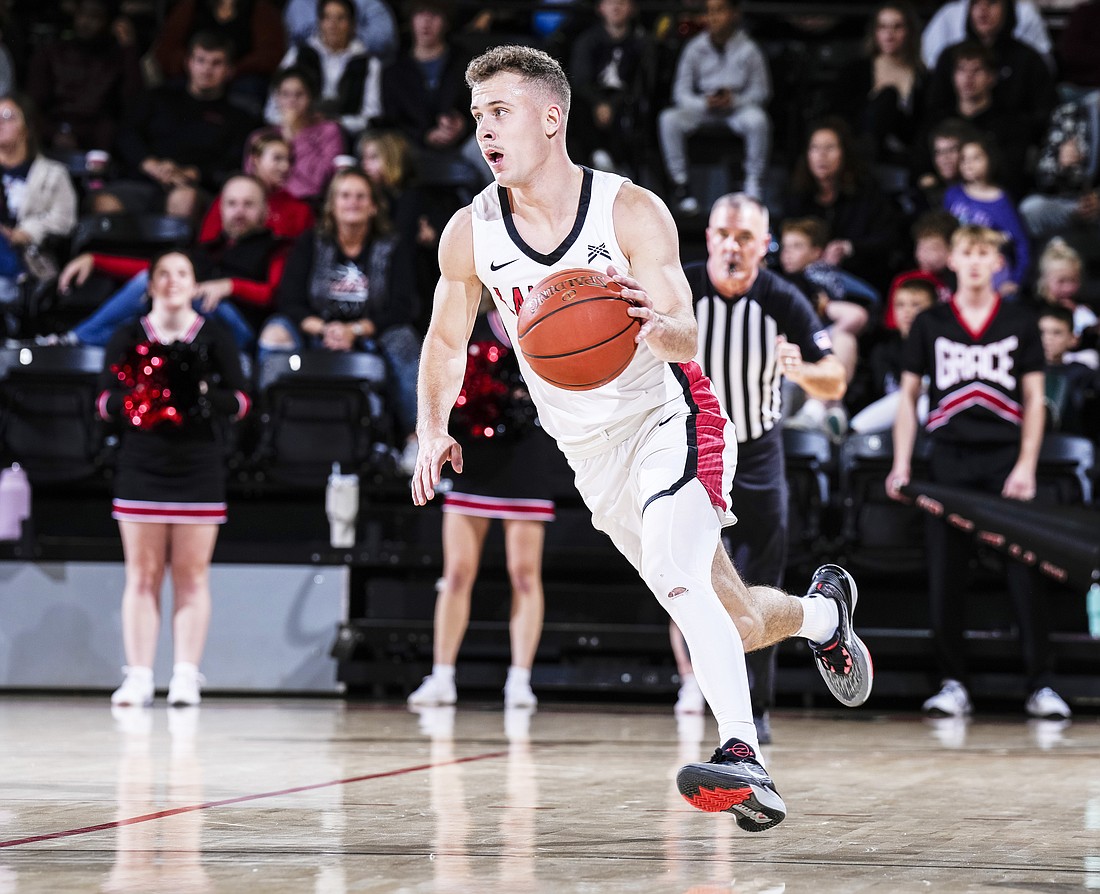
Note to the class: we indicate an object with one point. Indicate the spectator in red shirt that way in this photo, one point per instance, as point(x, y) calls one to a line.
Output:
point(243, 263)
point(269, 161)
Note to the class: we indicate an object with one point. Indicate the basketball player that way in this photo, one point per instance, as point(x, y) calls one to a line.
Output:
point(986, 416)
point(750, 323)
point(652, 452)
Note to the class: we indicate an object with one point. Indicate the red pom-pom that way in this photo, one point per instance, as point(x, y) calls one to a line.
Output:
point(147, 370)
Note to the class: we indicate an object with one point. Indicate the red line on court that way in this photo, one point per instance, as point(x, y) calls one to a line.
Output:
point(161, 814)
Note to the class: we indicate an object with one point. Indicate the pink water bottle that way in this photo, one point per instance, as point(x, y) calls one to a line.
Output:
point(15, 502)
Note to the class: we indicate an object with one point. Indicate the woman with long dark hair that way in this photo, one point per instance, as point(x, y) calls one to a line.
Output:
point(830, 183)
point(881, 94)
point(315, 141)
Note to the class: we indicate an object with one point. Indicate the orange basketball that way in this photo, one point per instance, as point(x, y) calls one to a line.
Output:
point(574, 330)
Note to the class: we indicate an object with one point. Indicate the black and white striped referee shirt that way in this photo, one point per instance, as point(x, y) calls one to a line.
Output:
point(737, 342)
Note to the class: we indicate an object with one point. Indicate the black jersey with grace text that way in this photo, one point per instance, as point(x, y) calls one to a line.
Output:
point(976, 377)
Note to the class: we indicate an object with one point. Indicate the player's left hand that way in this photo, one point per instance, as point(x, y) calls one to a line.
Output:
point(643, 305)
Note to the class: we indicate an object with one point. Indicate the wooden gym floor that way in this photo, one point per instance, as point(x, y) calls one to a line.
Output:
point(328, 796)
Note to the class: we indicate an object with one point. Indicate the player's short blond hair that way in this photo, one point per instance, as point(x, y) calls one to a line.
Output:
point(534, 65)
point(973, 234)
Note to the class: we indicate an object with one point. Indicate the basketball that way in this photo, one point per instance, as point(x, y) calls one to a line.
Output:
point(574, 329)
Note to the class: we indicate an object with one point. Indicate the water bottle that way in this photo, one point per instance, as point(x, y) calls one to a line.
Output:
point(342, 507)
point(1092, 606)
point(15, 502)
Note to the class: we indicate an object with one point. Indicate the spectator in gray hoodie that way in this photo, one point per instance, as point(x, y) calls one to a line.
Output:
point(721, 79)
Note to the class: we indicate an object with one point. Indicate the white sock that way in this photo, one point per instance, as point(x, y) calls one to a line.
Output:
point(185, 667)
point(820, 617)
point(139, 671)
point(688, 679)
point(443, 670)
point(518, 676)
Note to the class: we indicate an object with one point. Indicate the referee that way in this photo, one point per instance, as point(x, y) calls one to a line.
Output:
point(754, 329)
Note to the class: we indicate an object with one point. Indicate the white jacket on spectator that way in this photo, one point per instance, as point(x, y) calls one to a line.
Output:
point(948, 27)
point(49, 203)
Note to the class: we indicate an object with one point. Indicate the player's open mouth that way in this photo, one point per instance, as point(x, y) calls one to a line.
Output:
point(493, 157)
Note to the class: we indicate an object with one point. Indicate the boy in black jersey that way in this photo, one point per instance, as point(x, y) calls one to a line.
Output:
point(986, 418)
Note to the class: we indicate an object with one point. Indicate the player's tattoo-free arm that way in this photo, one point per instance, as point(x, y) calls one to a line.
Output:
point(647, 235)
point(454, 308)
point(443, 356)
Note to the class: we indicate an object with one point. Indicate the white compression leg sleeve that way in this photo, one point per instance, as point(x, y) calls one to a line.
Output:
point(680, 534)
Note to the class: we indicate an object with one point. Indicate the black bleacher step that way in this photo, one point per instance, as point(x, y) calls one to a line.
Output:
point(491, 637)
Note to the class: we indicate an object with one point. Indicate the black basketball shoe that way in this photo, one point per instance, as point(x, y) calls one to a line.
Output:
point(734, 781)
point(843, 661)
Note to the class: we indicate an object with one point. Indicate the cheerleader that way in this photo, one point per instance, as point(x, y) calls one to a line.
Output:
point(171, 378)
point(495, 424)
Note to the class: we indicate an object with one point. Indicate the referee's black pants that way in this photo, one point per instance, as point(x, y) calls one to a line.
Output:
point(757, 544)
point(980, 467)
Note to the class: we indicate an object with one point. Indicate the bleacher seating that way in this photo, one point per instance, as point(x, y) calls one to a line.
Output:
point(877, 532)
point(1064, 470)
point(132, 235)
point(809, 456)
point(317, 408)
point(48, 418)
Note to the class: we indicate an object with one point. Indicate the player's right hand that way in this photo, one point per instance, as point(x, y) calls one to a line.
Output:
point(432, 454)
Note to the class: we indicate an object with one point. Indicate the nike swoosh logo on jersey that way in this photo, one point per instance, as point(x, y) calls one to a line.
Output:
point(495, 267)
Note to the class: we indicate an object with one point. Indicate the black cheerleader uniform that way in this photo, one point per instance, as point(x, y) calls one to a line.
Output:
point(171, 462)
point(503, 447)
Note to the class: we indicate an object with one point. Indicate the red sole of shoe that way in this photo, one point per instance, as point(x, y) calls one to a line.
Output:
point(716, 800)
point(703, 792)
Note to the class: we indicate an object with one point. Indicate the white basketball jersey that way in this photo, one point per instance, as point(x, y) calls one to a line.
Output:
point(509, 268)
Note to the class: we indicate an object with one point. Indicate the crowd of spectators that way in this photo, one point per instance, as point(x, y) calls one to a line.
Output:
point(241, 117)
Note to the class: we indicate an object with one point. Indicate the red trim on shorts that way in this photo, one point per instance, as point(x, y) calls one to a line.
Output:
point(710, 435)
point(499, 507)
point(169, 513)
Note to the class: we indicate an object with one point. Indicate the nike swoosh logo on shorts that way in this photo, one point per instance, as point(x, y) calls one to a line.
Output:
point(495, 267)
point(663, 421)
